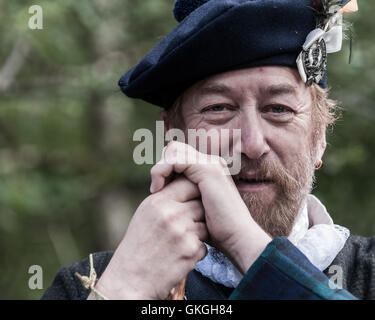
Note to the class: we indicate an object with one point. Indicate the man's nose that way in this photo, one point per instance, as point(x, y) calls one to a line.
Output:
point(253, 139)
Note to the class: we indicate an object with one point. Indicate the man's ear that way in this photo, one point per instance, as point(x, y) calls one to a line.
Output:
point(321, 146)
point(164, 117)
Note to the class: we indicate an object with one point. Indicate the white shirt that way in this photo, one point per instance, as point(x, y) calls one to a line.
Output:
point(313, 233)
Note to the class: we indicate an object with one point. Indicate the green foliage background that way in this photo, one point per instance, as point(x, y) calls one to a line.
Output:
point(68, 183)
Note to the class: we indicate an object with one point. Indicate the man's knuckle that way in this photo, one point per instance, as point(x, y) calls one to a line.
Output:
point(202, 252)
point(195, 247)
point(191, 249)
point(166, 216)
point(155, 201)
point(177, 232)
point(172, 148)
point(220, 161)
point(153, 170)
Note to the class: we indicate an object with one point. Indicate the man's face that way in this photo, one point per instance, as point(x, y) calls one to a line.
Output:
point(274, 111)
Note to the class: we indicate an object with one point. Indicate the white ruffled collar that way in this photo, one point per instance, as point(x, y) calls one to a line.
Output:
point(313, 233)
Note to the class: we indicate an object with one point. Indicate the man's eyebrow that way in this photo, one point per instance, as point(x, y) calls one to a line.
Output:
point(273, 90)
point(280, 89)
point(215, 88)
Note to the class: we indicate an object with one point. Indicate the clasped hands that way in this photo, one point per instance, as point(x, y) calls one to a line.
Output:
point(165, 238)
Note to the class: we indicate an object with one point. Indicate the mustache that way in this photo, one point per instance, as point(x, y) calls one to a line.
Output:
point(270, 170)
point(291, 182)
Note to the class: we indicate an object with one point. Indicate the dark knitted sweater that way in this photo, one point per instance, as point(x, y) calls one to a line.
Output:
point(357, 260)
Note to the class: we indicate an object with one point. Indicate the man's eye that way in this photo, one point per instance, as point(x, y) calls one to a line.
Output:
point(216, 108)
point(278, 113)
point(278, 109)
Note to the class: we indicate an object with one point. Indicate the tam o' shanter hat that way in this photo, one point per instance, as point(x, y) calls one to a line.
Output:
point(215, 36)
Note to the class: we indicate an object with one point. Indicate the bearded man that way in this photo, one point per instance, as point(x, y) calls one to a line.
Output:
point(257, 66)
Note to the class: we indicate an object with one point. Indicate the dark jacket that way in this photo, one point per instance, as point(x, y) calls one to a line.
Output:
point(281, 272)
point(357, 260)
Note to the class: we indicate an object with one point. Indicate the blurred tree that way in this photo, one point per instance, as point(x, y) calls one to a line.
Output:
point(69, 184)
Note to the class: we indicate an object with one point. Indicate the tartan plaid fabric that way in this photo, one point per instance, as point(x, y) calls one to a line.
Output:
point(282, 272)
